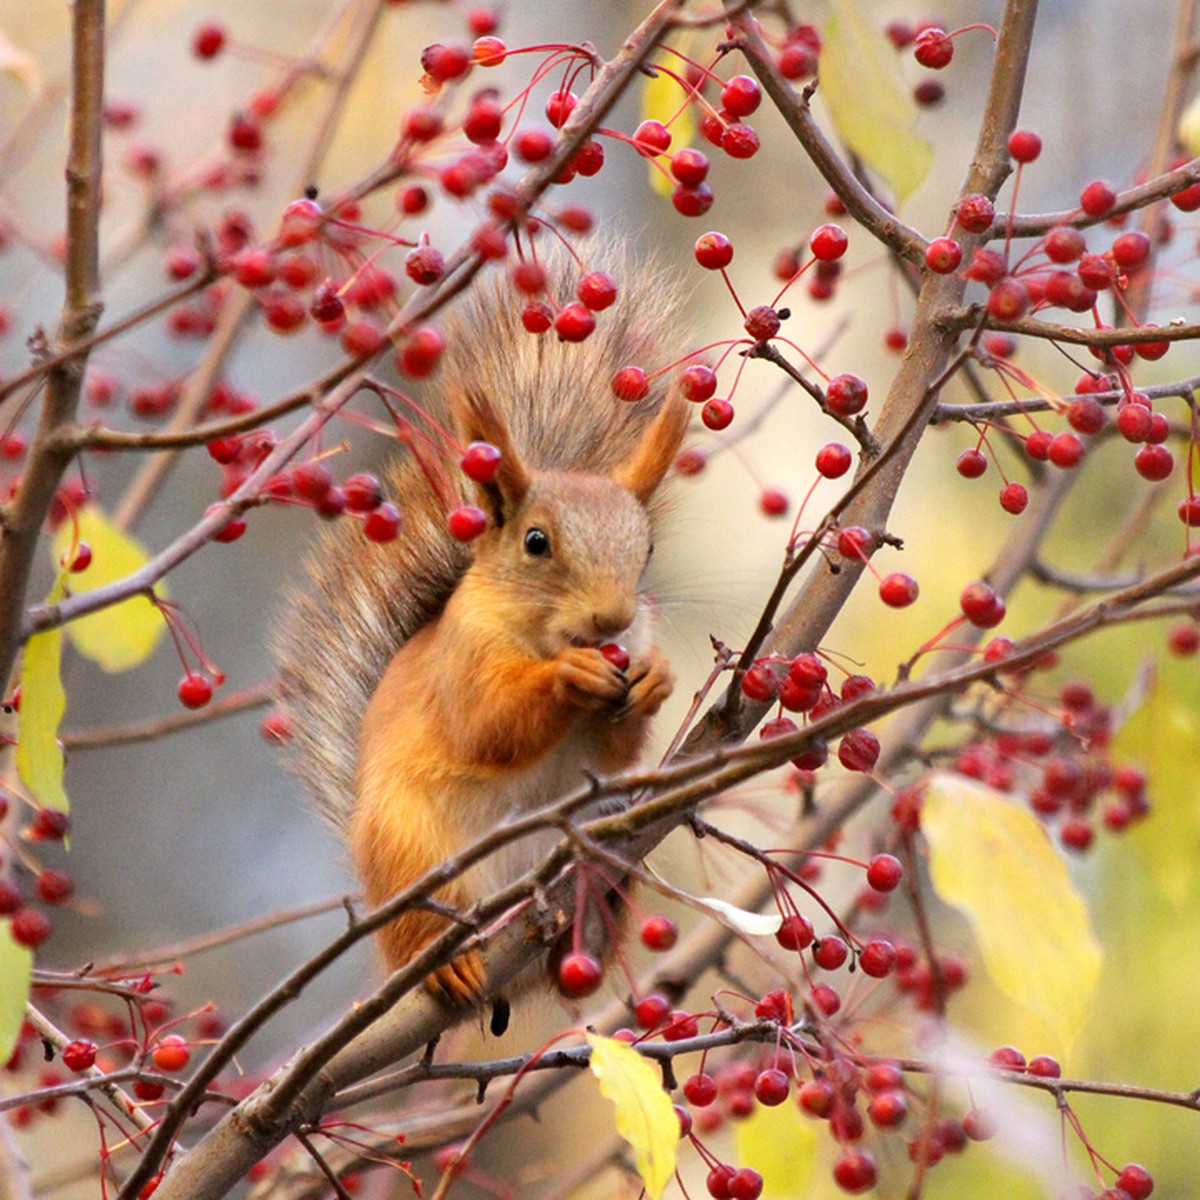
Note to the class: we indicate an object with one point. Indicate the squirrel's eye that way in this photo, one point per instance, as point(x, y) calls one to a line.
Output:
point(537, 542)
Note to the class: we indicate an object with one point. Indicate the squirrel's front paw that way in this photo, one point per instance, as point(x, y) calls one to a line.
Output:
point(650, 684)
point(586, 679)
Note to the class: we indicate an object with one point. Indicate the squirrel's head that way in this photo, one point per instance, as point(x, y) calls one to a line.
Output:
point(568, 549)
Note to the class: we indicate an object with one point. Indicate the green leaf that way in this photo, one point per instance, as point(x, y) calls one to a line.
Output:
point(16, 972)
point(780, 1145)
point(645, 1115)
point(869, 102)
point(123, 635)
point(1162, 736)
point(993, 861)
point(43, 702)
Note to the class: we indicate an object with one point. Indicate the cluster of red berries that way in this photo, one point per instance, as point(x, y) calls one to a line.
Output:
point(108, 1040)
point(51, 886)
point(1065, 769)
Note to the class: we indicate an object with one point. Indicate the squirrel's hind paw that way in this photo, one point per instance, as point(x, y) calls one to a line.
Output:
point(461, 981)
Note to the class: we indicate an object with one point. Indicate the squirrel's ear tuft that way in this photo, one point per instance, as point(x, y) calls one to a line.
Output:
point(476, 420)
point(654, 454)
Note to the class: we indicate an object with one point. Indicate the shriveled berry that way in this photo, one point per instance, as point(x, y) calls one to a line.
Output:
point(762, 323)
point(975, 213)
point(79, 1055)
point(740, 141)
point(858, 750)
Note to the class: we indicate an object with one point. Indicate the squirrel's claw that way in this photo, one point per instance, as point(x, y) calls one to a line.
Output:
point(586, 679)
point(460, 981)
point(650, 683)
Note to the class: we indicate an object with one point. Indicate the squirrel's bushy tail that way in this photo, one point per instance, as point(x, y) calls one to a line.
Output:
point(358, 601)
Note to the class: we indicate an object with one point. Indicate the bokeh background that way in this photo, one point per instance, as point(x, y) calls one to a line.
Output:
point(187, 834)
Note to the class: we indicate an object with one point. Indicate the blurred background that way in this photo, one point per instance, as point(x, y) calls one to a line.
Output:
point(181, 836)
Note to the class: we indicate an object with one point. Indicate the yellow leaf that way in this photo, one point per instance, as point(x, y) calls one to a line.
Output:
point(15, 62)
point(16, 971)
point(869, 102)
point(1162, 737)
point(1188, 130)
point(43, 702)
point(645, 1115)
point(123, 635)
point(663, 100)
point(993, 861)
point(779, 1144)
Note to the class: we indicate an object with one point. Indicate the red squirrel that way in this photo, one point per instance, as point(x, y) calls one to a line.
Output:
point(437, 690)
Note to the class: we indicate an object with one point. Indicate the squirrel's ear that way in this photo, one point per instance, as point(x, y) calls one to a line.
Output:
point(477, 420)
point(655, 453)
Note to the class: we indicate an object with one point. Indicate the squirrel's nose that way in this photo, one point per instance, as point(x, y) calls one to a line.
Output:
point(613, 619)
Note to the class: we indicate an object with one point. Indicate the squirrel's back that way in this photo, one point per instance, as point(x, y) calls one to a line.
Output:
point(361, 601)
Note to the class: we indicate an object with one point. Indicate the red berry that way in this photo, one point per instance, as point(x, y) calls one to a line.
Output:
point(717, 414)
point(1066, 450)
point(718, 1182)
point(830, 952)
point(54, 886)
point(796, 933)
point(596, 291)
point(979, 1124)
point(898, 590)
point(559, 106)
point(574, 322)
point(887, 1110)
point(467, 523)
point(1008, 1058)
point(771, 1087)
point(382, 525)
point(846, 395)
point(420, 353)
point(773, 502)
point(1154, 462)
point(424, 265)
point(858, 750)
point(1097, 198)
point(692, 200)
point(713, 251)
point(659, 933)
point(700, 1090)
point(828, 243)
point(1131, 250)
point(29, 928)
point(975, 213)
point(631, 384)
point(480, 462)
point(1008, 300)
point(1024, 145)
point(363, 492)
point(579, 975)
point(971, 464)
point(652, 138)
point(834, 460)
point(651, 1011)
point(741, 96)
point(943, 255)
point(740, 141)
point(884, 872)
point(195, 690)
point(48, 825)
point(1136, 1180)
point(877, 958)
point(746, 1184)
point(208, 40)
point(617, 655)
point(689, 167)
point(698, 383)
point(762, 323)
point(537, 316)
point(79, 1056)
point(1045, 1067)
point(171, 1053)
point(11, 898)
point(855, 1171)
point(444, 63)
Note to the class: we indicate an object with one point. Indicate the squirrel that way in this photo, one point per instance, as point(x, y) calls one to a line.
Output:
point(437, 689)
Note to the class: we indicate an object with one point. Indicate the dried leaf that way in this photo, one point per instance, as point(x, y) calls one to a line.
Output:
point(39, 756)
point(869, 102)
point(16, 972)
point(645, 1115)
point(123, 635)
point(993, 861)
